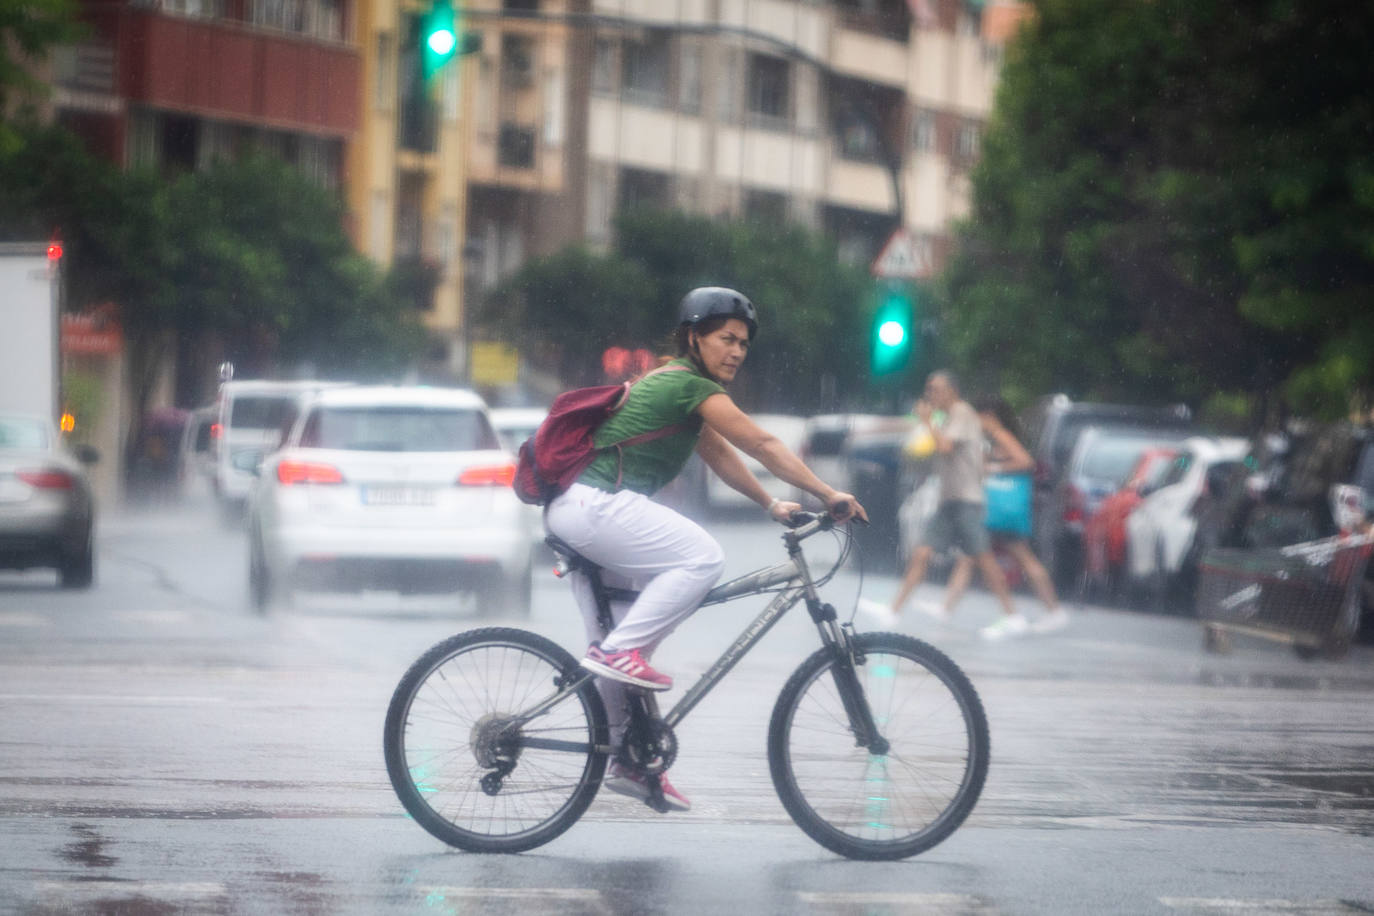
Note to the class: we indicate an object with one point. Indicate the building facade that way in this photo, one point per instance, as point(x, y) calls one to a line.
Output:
point(853, 117)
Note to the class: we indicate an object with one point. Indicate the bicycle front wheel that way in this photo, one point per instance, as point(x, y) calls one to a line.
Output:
point(889, 805)
point(465, 766)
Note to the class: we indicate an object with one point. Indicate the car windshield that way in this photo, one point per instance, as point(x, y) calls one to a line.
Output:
point(1113, 458)
point(259, 412)
point(20, 432)
point(398, 429)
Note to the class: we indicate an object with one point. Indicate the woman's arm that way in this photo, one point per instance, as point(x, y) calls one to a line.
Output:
point(734, 427)
point(725, 461)
point(1014, 457)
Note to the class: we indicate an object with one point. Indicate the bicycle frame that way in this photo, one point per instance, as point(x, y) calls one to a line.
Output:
point(795, 576)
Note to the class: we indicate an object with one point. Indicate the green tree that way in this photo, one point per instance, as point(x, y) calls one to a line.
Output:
point(812, 308)
point(28, 31)
point(1173, 200)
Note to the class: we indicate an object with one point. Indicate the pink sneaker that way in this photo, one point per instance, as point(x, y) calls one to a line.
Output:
point(625, 666)
point(636, 785)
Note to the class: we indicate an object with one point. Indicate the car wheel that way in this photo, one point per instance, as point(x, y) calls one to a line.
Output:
point(259, 578)
point(523, 591)
point(78, 570)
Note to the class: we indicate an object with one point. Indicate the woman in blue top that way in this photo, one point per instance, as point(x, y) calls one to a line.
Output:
point(609, 518)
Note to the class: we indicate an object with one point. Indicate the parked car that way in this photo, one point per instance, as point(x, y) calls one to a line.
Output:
point(196, 463)
point(399, 488)
point(47, 513)
point(1104, 532)
point(516, 424)
point(1160, 559)
point(823, 447)
point(721, 497)
point(253, 418)
point(1101, 457)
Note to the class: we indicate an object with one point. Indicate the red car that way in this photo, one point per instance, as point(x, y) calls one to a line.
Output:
point(1104, 534)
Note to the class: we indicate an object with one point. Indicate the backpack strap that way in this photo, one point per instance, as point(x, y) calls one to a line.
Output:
point(649, 436)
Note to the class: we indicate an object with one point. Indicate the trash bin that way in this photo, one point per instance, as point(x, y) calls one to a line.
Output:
point(1307, 594)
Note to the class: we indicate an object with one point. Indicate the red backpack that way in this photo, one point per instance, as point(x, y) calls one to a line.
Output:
point(562, 447)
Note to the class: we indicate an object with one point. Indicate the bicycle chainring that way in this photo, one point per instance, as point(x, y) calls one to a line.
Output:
point(650, 747)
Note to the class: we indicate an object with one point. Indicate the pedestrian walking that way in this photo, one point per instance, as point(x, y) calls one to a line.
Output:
point(1009, 463)
point(962, 509)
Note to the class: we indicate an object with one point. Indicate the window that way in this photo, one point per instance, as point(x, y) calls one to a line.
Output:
point(968, 141)
point(689, 78)
point(641, 188)
point(517, 62)
point(923, 131)
point(397, 429)
point(728, 87)
point(765, 206)
point(515, 147)
point(603, 67)
point(769, 79)
point(646, 70)
point(857, 138)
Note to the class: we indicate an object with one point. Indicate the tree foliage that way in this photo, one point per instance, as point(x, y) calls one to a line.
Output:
point(28, 30)
point(812, 309)
point(1176, 198)
point(251, 255)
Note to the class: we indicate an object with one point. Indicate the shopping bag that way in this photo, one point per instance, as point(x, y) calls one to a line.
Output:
point(1009, 504)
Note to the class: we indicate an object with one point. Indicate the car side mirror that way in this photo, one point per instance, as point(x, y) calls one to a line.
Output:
point(86, 454)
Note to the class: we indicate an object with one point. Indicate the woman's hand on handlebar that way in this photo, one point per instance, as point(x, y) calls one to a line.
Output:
point(781, 510)
point(843, 507)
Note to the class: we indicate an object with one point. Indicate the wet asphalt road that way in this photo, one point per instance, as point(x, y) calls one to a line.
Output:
point(164, 750)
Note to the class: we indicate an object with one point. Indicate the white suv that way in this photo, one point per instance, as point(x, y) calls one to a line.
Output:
point(397, 488)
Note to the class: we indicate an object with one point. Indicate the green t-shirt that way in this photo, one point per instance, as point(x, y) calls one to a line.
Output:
point(659, 400)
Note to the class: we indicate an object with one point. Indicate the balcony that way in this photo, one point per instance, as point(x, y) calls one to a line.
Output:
point(225, 69)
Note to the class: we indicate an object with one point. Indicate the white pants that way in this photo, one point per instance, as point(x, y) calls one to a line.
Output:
point(641, 545)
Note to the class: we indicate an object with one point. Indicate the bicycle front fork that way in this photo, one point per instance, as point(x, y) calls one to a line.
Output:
point(845, 671)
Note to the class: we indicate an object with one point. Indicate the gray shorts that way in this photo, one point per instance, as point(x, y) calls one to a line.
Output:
point(958, 524)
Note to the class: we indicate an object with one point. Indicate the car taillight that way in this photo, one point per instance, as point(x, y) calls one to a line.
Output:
point(1073, 504)
point(216, 430)
point(47, 479)
point(294, 472)
point(496, 475)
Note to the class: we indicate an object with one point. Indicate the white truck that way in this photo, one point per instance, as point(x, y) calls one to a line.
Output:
point(30, 303)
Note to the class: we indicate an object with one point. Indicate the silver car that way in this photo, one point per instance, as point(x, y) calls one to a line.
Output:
point(46, 511)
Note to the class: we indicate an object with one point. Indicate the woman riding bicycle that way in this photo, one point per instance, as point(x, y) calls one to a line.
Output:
point(608, 517)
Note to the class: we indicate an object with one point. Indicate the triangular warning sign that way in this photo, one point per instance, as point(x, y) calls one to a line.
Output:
point(902, 258)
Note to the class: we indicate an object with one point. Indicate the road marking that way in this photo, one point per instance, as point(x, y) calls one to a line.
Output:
point(113, 890)
point(164, 617)
point(1220, 906)
point(114, 698)
point(22, 619)
point(570, 900)
point(878, 902)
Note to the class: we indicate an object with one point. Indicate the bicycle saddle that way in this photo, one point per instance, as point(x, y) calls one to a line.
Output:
point(569, 554)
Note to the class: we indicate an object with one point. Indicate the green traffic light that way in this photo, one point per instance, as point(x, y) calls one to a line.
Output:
point(439, 31)
point(891, 342)
point(891, 333)
point(442, 42)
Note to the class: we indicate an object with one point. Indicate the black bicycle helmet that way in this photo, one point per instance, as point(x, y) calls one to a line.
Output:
point(717, 302)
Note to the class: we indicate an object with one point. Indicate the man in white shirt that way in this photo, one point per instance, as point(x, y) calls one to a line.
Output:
point(959, 519)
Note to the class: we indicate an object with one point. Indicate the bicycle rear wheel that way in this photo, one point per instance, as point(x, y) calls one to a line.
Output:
point(462, 765)
point(880, 806)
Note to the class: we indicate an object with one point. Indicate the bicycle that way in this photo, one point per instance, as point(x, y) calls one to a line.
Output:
point(496, 739)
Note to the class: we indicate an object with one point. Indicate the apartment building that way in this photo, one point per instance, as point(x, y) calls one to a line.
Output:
point(854, 117)
point(331, 86)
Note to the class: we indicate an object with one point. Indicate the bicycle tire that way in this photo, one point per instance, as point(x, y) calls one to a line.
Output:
point(853, 802)
point(446, 713)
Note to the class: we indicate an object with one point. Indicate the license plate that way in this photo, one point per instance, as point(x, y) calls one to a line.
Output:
point(398, 496)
